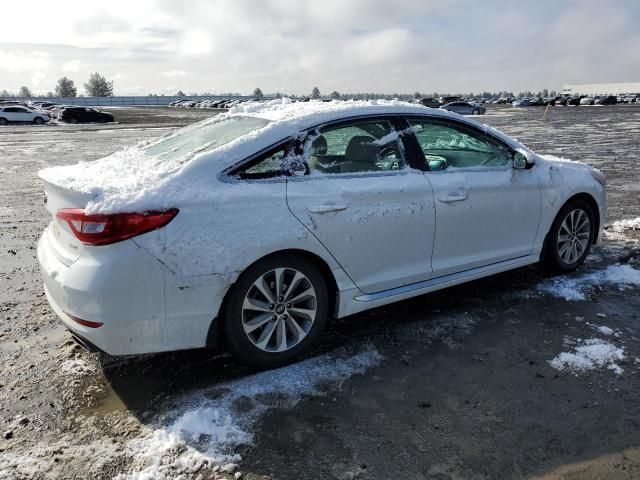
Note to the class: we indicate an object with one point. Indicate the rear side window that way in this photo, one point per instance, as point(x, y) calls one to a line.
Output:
point(448, 145)
point(361, 146)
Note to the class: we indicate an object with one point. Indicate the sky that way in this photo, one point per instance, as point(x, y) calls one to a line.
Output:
point(290, 46)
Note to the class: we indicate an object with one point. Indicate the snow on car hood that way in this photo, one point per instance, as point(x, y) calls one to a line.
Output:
point(133, 180)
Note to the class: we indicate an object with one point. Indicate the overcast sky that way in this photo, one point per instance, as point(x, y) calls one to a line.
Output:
point(161, 46)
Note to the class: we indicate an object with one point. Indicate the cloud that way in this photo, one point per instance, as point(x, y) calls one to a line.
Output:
point(177, 73)
point(71, 66)
point(355, 45)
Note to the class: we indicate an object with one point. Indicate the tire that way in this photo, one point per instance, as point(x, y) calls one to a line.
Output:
point(73, 120)
point(262, 345)
point(475, 112)
point(38, 121)
point(559, 254)
point(3, 121)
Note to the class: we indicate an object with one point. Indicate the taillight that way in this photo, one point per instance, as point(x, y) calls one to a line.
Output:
point(112, 228)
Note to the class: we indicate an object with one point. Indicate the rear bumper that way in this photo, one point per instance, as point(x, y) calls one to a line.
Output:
point(143, 308)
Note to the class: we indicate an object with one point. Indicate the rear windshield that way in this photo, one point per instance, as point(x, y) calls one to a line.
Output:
point(200, 137)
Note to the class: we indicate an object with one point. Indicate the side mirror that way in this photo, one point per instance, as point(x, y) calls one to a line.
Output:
point(522, 160)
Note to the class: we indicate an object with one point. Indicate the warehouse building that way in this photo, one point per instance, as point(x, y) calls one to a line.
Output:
point(602, 89)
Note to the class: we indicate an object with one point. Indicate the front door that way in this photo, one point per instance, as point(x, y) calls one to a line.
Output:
point(486, 211)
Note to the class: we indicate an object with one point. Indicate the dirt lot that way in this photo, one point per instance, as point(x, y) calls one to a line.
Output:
point(452, 385)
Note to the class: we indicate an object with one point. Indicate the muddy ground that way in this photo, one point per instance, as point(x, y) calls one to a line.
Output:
point(461, 387)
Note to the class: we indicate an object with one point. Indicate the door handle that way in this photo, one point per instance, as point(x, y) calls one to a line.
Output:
point(453, 197)
point(328, 207)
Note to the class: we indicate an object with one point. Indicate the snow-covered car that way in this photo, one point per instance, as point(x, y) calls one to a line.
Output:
point(18, 114)
point(260, 224)
point(464, 108)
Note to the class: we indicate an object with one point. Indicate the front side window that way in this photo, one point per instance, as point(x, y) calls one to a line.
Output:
point(451, 146)
point(361, 146)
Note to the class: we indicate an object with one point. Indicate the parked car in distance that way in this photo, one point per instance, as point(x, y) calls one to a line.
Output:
point(522, 102)
point(430, 102)
point(606, 100)
point(450, 99)
point(575, 100)
point(170, 261)
point(77, 114)
point(587, 101)
point(464, 108)
point(19, 114)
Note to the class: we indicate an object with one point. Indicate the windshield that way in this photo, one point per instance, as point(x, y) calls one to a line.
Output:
point(204, 137)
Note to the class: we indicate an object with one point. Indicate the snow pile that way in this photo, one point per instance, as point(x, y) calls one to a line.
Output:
point(211, 423)
point(76, 367)
point(621, 226)
point(576, 288)
point(590, 354)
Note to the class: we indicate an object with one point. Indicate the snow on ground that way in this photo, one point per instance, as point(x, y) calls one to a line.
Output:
point(76, 366)
point(590, 354)
point(620, 226)
point(209, 424)
point(577, 288)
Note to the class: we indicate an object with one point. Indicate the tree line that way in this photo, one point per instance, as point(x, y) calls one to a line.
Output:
point(96, 86)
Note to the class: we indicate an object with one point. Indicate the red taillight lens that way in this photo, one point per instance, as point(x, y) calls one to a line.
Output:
point(112, 228)
point(85, 323)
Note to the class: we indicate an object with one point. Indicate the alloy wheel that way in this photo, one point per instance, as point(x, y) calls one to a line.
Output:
point(573, 236)
point(279, 310)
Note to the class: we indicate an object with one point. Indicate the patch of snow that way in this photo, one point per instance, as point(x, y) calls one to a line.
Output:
point(77, 367)
point(621, 226)
point(603, 329)
point(208, 425)
point(576, 288)
point(590, 354)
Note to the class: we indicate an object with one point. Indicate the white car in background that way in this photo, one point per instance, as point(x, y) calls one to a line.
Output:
point(259, 225)
point(18, 114)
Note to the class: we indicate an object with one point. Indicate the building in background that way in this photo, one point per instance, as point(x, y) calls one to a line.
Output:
point(602, 89)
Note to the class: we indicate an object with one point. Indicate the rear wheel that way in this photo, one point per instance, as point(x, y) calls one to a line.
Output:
point(276, 310)
point(570, 237)
point(73, 120)
point(38, 121)
point(3, 121)
point(475, 112)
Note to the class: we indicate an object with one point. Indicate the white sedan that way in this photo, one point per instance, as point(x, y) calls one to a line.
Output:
point(17, 114)
point(258, 225)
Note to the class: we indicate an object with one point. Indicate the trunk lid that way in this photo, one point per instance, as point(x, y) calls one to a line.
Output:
point(64, 243)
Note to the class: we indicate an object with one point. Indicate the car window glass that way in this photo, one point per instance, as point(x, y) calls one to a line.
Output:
point(272, 164)
point(451, 146)
point(368, 146)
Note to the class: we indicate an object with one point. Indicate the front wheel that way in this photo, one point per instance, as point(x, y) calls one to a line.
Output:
point(3, 121)
point(570, 237)
point(475, 112)
point(38, 121)
point(276, 310)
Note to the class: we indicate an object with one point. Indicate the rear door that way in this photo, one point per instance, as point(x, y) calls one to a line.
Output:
point(373, 212)
point(486, 211)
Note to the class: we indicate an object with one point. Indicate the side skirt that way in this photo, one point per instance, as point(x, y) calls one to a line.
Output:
point(363, 302)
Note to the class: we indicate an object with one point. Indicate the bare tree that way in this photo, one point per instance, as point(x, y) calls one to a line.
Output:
point(24, 92)
point(335, 95)
point(258, 93)
point(180, 93)
point(315, 93)
point(97, 86)
point(66, 88)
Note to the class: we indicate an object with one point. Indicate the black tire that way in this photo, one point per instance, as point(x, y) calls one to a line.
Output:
point(3, 121)
point(38, 121)
point(239, 342)
point(73, 120)
point(552, 259)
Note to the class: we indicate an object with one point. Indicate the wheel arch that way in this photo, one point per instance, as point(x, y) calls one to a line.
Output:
point(584, 196)
point(215, 335)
